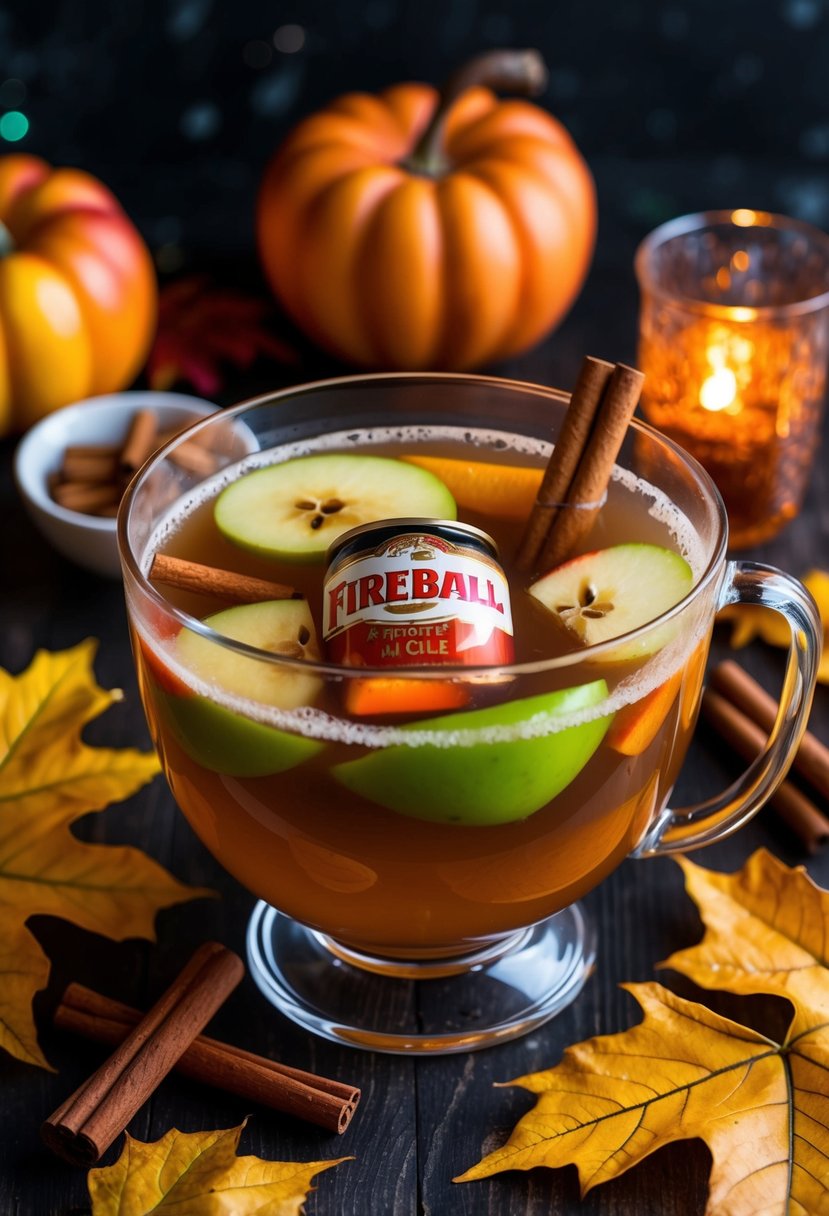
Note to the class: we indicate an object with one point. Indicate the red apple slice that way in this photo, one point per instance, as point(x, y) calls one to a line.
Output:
point(610, 592)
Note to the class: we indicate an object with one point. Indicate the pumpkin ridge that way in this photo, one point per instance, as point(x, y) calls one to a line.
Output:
point(25, 398)
point(110, 364)
point(375, 109)
point(328, 127)
point(526, 247)
point(512, 119)
point(470, 347)
point(280, 222)
point(51, 219)
point(19, 172)
point(42, 201)
point(411, 106)
point(314, 274)
point(381, 291)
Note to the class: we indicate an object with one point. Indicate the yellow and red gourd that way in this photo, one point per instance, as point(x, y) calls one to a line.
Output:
point(412, 229)
point(77, 291)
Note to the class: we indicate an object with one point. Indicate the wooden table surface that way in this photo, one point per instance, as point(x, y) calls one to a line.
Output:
point(421, 1121)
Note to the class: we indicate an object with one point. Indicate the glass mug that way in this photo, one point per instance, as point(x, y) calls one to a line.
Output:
point(449, 850)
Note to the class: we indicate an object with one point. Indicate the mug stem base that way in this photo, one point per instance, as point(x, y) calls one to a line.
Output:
point(486, 997)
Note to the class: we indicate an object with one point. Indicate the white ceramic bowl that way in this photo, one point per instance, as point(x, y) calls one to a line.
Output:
point(86, 539)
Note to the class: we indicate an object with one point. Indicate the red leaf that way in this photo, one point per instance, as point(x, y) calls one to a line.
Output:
point(201, 328)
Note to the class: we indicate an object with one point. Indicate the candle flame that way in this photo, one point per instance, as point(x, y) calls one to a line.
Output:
point(719, 390)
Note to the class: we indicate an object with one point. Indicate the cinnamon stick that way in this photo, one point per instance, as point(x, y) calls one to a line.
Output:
point(85, 1125)
point(320, 1100)
point(89, 466)
point(561, 469)
point(86, 497)
point(589, 484)
point(209, 580)
point(193, 458)
point(93, 449)
point(811, 758)
point(140, 440)
point(748, 739)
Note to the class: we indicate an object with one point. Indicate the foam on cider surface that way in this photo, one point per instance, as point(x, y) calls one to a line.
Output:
point(320, 725)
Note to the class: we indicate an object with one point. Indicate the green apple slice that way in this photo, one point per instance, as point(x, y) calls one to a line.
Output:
point(221, 739)
point(225, 742)
point(604, 594)
point(294, 510)
point(486, 783)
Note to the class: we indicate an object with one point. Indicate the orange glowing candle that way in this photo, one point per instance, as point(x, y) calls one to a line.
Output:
point(733, 340)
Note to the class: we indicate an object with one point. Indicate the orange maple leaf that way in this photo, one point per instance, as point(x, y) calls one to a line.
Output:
point(48, 779)
point(762, 1107)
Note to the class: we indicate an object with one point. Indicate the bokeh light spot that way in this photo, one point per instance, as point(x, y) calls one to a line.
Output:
point(13, 126)
point(289, 39)
point(200, 121)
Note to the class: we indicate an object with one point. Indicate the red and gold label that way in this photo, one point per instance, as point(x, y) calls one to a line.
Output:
point(417, 600)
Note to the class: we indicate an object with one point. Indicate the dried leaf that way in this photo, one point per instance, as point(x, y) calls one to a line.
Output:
point(201, 327)
point(48, 779)
point(761, 1107)
point(749, 622)
point(686, 1072)
point(199, 1172)
point(766, 930)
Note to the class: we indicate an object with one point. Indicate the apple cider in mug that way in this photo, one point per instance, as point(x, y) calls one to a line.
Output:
point(407, 815)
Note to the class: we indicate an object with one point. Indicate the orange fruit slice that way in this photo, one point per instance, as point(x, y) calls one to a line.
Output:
point(635, 727)
point(379, 695)
point(505, 490)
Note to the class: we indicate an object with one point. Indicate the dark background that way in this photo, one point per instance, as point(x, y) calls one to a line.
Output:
point(677, 106)
point(178, 104)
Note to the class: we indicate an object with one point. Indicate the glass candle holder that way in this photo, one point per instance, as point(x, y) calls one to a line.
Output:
point(733, 341)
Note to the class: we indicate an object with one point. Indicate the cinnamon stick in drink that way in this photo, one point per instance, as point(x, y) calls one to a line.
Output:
point(811, 758)
point(320, 1100)
point(748, 739)
point(589, 485)
point(85, 1125)
point(561, 469)
point(209, 580)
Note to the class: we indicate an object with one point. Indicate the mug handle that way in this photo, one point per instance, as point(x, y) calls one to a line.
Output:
point(695, 826)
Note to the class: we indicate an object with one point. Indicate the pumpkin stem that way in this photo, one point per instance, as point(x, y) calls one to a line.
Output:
point(522, 72)
point(7, 244)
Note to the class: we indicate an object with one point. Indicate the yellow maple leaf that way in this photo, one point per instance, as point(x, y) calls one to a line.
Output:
point(762, 1107)
point(199, 1172)
point(48, 779)
point(749, 621)
point(766, 930)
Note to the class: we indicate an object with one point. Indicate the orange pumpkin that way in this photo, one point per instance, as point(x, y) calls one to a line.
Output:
point(77, 291)
point(407, 231)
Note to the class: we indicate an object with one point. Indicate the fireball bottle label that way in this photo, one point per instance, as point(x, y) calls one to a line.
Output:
point(417, 599)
